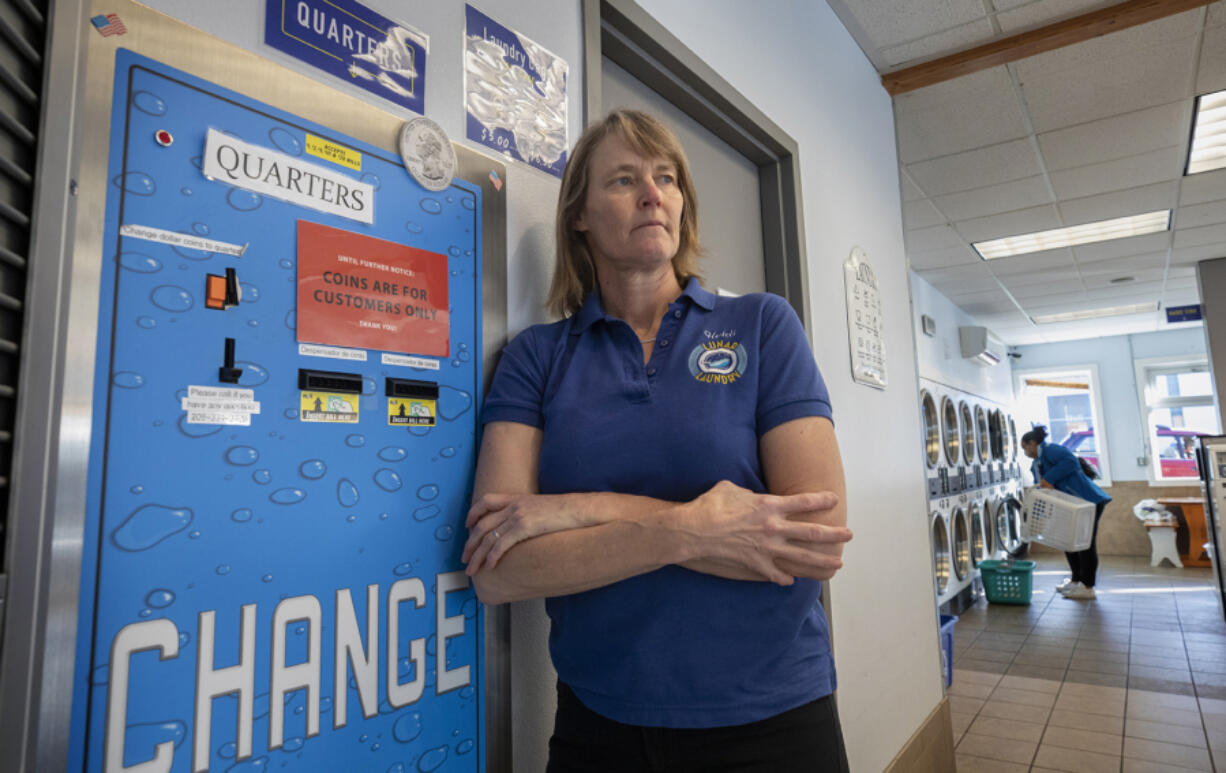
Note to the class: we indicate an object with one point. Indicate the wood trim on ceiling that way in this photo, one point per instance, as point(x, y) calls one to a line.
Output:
point(1036, 41)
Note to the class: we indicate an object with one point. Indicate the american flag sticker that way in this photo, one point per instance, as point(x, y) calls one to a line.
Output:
point(109, 24)
point(495, 180)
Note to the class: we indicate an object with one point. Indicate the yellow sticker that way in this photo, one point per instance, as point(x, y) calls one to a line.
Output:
point(330, 151)
point(410, 411)
point(329, 407)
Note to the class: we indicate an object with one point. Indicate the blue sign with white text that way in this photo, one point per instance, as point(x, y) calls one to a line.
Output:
point(1190, 313)
point(353, 43)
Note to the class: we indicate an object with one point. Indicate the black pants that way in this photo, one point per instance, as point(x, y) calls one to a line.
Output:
point(806, 739)
point(1084, 563)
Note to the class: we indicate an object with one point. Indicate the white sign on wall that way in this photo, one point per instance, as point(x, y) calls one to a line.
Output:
point(865, 326)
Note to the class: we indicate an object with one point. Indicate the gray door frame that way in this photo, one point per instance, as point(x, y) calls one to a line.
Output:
point(625, 33)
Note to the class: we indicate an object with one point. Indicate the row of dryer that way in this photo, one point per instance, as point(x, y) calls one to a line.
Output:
point(974, 473)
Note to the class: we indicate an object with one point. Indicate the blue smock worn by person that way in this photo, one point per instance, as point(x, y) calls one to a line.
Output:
point(1057, 467)
point(641, 459)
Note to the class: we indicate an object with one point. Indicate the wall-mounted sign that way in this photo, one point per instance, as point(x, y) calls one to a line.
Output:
point(515, 94)
point(355, 44)
point(260, 170)
point(865, 326)
point(365, 293)
point(1190, 313)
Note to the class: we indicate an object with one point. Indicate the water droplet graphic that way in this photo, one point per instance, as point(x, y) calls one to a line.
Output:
point(244, 201)
point(465, 746)
point(453, 403)
point(197, 430)
point(413, 228)
point(420, 431)
point(393, 454)
point(383, 516)
point(425, 513)
point(267, 578)
point(160, 598)
point(468, 692)
point(291, 413)
point(285, 263)
point(407, 727)
point(146, 735)
point(223, 569)
point(184, 636)
point(468, 203)
point(201, 229)
point(431, 644)
point(287, 496)
point(148, 102)
point(242, 456)
point(193, 535)
point(257, 765)
point(313, 469)
point(136, 183)
point(351, 518)
point(253, 323)
point(454, 251)
point(387, 480)
point(140, 263)
point(398, 767)
point(355, 441)
point(101, 674)
point(347, 493)
point(145, 613)
point(464, 356)
point(185, 191)
point(325, 705)
point(148, 525)
point(291, 319)
point(432, 206)
point(250, 293)
point(172, 298)
point(372, 179)
point(447, 452)
point(432, 760)
point(285, 141)
point(241, 515)
point(374, 747)
point(468, 253)
point(427, 492)
point(198, 162)
point(137, 489)
point(128, 380)
point(147, 323)
point(403, 570)
point(227, 750)
point(292, 744)
point(469, 609)
point(444, 533)
point(262, 476)
point(253, 374)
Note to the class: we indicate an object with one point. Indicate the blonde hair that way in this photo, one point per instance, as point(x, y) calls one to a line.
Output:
point(574, 273)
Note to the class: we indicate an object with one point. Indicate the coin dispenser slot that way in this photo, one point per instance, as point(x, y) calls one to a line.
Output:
point(222, 292)
point(329, 381)
point(409, 388)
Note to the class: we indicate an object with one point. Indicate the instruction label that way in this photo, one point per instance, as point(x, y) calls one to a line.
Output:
point(328, 407)
point(410, 361)
point(330, 151)
point(219, 405)
point(410, 411)
point(332, 352)
point(176, 239)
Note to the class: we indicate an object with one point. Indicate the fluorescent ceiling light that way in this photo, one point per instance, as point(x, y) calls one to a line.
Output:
point(1114, 311)
point(1103, 230)
point(1208, 150)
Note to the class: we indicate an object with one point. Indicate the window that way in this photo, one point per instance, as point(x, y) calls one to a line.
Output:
point(1068, 403)
point(1178, 406)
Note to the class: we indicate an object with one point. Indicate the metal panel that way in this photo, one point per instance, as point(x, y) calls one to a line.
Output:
point(50, 476)
point(1211, 275)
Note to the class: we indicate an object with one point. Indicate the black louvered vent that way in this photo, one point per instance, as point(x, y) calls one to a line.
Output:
point(22, 45)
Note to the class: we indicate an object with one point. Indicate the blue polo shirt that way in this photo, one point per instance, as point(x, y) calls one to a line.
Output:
point(673, 647)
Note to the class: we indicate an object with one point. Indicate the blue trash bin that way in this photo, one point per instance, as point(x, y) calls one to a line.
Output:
point(947, 647)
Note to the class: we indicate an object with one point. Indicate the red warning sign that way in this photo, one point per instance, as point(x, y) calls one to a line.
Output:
point(367, 293)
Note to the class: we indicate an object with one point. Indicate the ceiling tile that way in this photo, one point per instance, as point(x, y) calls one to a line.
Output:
point(1190, 256)
point(1202, 187)
point(962, 114)
point(1053, 279)
point(1145, 169)
point(1217, 15)
point(1021, 221)
point(954, 39)
point(994, 199)
point(1031, 262)
point(1119, 248)
point(1120, 266)
point(891, 22)
point(1120, 203)
point(1133, 292)
point(1042, 13)
point(972, 275)
point(1181, 283)
point(1201, 214)
point(1118, 136)
point(976, 168)
point(1099, 281)
point(1130, 80)
point(909, 191)
point(1166, 34)
point(1212, 73)
point(940, 237)
point(920, 214)
point(1177, 272)
point(944, 258)
point(1196, 237)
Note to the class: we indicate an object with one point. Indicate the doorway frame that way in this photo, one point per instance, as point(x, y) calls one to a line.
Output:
point(633, 40)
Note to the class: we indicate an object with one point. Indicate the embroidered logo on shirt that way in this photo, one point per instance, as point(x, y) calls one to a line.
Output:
point(718, 361)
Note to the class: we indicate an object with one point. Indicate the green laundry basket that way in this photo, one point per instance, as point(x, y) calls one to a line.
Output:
point(1007, 582)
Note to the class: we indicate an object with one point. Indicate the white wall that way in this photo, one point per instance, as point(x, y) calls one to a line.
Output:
point(798, 65)
point(1114, 356)
point(815, 83)
point(939, 357)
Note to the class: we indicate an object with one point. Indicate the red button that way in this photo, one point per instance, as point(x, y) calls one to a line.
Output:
point(163, 138)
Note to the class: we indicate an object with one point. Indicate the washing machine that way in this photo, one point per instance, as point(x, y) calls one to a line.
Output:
point(966, 470)
point(930, 424)
point(1007, 521)
point(944, 585)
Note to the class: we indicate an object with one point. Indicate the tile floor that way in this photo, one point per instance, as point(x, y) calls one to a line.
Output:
point(1133, 682)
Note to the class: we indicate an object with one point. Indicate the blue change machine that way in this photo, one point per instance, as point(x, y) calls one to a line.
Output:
point(291, 349)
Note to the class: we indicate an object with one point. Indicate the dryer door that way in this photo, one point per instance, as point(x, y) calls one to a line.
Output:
point(961, 544)
point(940, 552)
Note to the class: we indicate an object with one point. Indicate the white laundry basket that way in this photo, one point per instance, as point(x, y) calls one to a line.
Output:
point(1063, 521)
